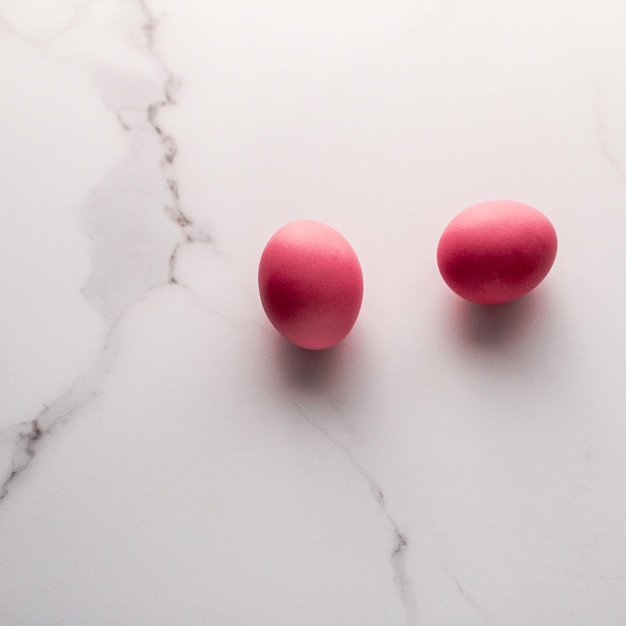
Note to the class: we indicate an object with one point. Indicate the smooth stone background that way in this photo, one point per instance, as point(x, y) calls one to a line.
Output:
point(165, 457)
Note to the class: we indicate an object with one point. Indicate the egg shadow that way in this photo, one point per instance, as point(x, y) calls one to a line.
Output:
point(333, 374)
point(499, 327)
point(307, 370)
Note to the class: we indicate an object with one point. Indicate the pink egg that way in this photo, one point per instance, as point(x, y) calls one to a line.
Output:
point(496, 251)
point(311, 284)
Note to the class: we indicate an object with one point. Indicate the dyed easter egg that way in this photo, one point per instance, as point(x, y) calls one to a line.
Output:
point(496, 251)
point(311, 284)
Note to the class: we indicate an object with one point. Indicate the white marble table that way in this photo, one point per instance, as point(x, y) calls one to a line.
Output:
point(165, 458)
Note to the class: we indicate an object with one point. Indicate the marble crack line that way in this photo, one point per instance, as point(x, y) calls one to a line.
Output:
point(470, 600)
point(402, 580)
point(171, 83)
point(28, 435)
point(79, 10)
point(85, 388)
point(7, 27)
point(457, 583)
point(601, 133)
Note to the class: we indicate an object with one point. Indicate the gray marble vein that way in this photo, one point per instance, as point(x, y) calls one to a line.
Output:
point(401, 578)
point(602, 133)
point(121, 214)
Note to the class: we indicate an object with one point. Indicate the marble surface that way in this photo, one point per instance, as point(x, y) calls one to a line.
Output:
point(165, 458)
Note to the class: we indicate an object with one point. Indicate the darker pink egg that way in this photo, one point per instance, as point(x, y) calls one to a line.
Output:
point(496, 251)
point(311, 284)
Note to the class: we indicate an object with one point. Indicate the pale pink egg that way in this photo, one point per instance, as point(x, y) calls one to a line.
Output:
point(496, 251)
point(311, 284)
